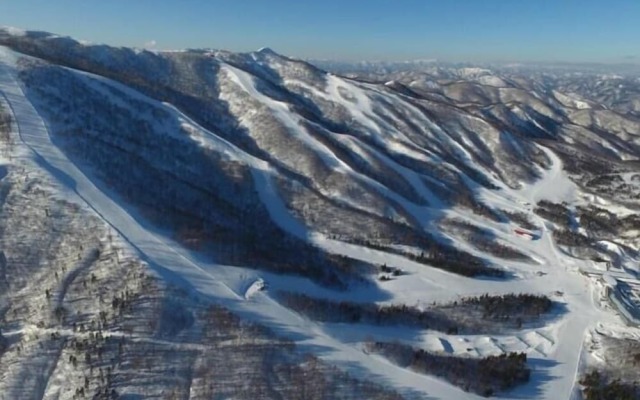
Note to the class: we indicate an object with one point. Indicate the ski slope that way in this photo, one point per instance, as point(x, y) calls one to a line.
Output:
point(554, 350)
point(173, 262)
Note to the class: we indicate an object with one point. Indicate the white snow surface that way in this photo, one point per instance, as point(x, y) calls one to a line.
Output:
point(554, 350)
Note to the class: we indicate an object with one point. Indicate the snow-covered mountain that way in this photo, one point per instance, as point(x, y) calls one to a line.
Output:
point(203, 223)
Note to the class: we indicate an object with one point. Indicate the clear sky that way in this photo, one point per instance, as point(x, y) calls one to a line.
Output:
point(473, 30)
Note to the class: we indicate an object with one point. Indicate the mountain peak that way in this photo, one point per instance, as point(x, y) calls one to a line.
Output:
point(267, 51)
point(13, 31)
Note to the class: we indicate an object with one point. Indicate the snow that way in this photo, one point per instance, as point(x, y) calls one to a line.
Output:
point(255, 287)
point(281, 110)
point(555, 185)
point(359, 106)
point(610, 280)
point(472, 72)
point(267, 51)
point(410, 176)
point(358, 102)
point(277, 209)
point(571, 100)
point(203, 136)
point(491, 80)
point(212, 280)
point(558, 345)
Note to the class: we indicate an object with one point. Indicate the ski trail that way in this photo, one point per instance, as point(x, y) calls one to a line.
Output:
point(34, 134)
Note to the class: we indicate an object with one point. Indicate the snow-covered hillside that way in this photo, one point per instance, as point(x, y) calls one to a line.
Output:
point(199, 224)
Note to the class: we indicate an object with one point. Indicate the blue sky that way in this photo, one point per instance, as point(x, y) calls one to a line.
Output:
point(473, 30)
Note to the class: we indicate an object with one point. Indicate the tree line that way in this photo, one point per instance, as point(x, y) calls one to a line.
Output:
point(485, 376)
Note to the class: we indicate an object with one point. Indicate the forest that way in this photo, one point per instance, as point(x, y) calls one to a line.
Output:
point(485, 376)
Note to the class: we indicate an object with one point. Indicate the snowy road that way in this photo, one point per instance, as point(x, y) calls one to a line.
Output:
point(220, 283)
